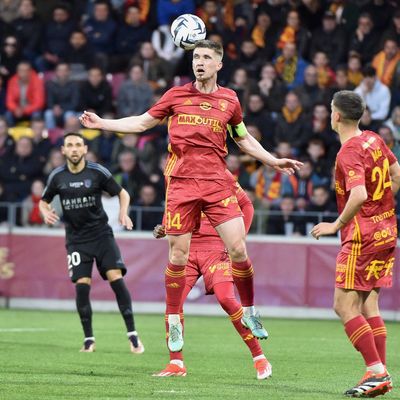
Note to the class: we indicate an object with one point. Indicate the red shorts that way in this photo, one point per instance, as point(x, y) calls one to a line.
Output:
point(365, 272)
point(186, 198)
point(214, 266)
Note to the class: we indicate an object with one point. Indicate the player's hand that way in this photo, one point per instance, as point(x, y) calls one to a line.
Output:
point(159, 231)
point(90, 120)
point(50, 217)
point(287, 166)
point(324, 229)
point(125, 221)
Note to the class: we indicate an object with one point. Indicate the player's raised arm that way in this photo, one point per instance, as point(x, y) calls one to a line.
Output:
point(124, 218)
point(249, 145)
point(134, 124)
point(49, 215)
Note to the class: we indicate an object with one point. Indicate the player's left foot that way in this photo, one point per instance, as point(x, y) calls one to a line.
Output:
point(135, 344)
point(253, 323)
point(171, 370)
point(89, 346)
point(175, 337)
point(371, 385)
point(264, 368)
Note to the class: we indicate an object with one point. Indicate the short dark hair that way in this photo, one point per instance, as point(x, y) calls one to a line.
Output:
point(77, 134)
point(350, 105)
point(369, 71)
point(210, 44)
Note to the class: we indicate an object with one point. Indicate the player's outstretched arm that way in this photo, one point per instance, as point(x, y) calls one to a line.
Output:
point(248, 144)
point(124, 218)
point(134, 124)
point(49, 215)
point(357, 197)
point(394, 171)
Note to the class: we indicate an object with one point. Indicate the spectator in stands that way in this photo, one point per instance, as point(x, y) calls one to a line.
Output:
point(243, 85)
point(365, 40)
point(316, 151)
point(96, 93)
point(19, 169)
point(55, 160)
point(9, 10)
point(301, 184)
point(250, 58)
point(148, 198)
point(264, 36)
point(103, 145)
point(156, 70)
point(387, 62)
point(291, 124)
point(3, 108)
point(55, 38)
point(131, 32)
point(341, 82)
point(41, 142)
point(393, 32)
point(375, 94)
point(386, 134)
point(310, 92)
point(284, 223)
point(30, 206)
point(130, 176)
point(10, 57)
point(290, 66)
point(237, 168)
point(394, 122)
point(294, 33)
point(164, 46)
point(25, 94)
point(157, 178)
point(271, 88)
point(216, 16)
point(321, 203)
point(135, 94)
point(28, 27)
point(330, 39)
point(6, 141)
point(366, 122)
point(380, 12)
point(100, 30)
point(62, 95)
point(354, 66)
point(326, 76)
point(79, 55)
point(311, 13)
point(168, 10)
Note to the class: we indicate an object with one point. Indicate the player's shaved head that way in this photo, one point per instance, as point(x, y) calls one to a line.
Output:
point(210, 44)
point(349, 104)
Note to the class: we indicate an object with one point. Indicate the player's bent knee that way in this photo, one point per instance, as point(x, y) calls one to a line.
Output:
point(85, 280)
point(113, 274)
point(238, 251)
point(178, 257)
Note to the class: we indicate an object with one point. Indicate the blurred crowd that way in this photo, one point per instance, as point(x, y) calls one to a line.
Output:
point(284, 58)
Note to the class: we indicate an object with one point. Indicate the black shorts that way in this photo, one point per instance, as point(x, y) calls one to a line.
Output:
point(81, 256)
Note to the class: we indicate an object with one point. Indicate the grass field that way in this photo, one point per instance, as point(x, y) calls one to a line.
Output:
point(39, 360)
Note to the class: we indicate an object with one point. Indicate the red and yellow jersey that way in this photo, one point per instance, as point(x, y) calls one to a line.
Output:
point(197, 125)
point(206, 237)
point(365, 160)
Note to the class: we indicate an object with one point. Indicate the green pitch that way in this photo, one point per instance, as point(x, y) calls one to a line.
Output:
point(39, 360)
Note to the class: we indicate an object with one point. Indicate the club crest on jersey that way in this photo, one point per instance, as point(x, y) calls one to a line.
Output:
point(87, 183)
point(205, 106)
point(223, 105)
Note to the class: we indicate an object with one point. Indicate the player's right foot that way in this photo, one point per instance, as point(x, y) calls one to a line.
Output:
point(253, 323)
point(135, 344)
point(175, 337)
point(371, 385)
point(264, 368)
point(171, 370)
point(89, 346)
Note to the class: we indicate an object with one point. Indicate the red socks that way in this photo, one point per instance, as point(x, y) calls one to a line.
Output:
point(379, 331)
point(175, 277)
point(360, 334)
point(243, 273)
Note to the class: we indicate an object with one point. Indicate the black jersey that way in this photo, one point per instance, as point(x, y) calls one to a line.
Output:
point(80, 195)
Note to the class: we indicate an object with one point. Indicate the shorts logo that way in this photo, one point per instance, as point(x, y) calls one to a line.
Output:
point(87, 183)
point(223, 105)
point(377, 266)
point(339, 278)
point(221, 266)
point(205, 106)
point(228, 200)
point(174, 285)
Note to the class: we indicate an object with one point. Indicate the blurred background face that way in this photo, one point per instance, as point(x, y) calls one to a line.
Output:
point(320, 113)
point(292, 101)
point(101, 12)
point(77, 40)
point(95, 77)
point(148, 195)
point(369, 82)
point(341, 79)
point(240, 77)
point(24, 147)
point(287, 205)
point(305, 171)
point(62, 72)
point(311, 76)
point(315, 150)
point(284, 150)
point(132, 16)
point(254, 131)
point(396, 115)
point(293, 20)
point(3, 128)
point(37, 188)
point(289, 50)
point(248, 48)
point(23, 71)
point(386, 134)
point(264, 21)
point(268, 72)
point(256, 103)
point(147, 50)
point(136, 73)
point(56, 158)
point(10, 45)
point(390, 49)
point(320, 196)
point(26, 9)
point(210, 7)
point(127, 162)
point(320, 59)
point(60, 15)
point(38, 128)
point(365, 25)
point(328, 24)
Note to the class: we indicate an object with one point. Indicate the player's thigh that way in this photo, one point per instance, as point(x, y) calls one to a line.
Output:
point(182, 206)
point(192, 270)
point(108, 256)
point(215, 266)
point(233, 234)
point(347, 303)
point(80, 258)
point(370, 306)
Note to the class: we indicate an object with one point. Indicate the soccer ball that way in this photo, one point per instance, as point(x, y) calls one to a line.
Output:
point(186, 30)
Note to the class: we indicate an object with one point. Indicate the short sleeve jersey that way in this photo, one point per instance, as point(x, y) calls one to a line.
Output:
point(206, 237)
point(365, 160)
point(80, 195)
point(197, 126)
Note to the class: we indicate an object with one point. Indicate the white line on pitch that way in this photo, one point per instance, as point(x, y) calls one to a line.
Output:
point(23, 330)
